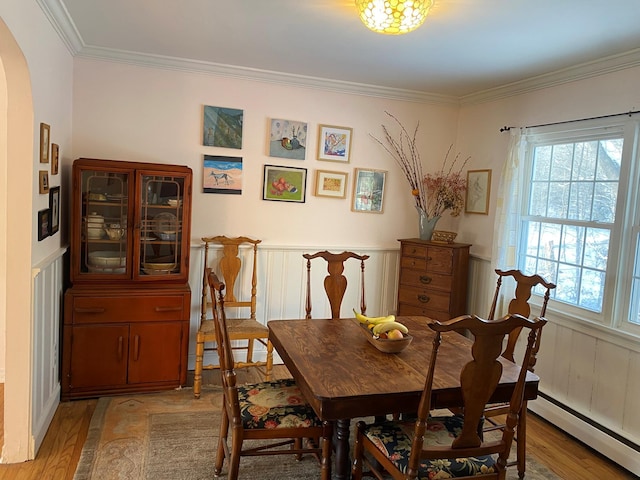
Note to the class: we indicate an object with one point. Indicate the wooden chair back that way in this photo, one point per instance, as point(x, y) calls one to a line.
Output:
point(335, 284)
point(225, 351)
point(229, 268)
point(524, 285)
point(478, 381)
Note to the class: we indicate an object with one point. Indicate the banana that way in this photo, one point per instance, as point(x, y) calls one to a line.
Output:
point(387, 326)
point(373, 320)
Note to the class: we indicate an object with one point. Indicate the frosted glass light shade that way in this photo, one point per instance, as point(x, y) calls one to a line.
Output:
point(393, 17)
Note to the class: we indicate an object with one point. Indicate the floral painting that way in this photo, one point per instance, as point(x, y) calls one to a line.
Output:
point(222, 127)
point(288, 139)
point(222, 175)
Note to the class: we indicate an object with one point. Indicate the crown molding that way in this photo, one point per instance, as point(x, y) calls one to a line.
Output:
point(602, 66)
point(66, 29)
point(253, 74)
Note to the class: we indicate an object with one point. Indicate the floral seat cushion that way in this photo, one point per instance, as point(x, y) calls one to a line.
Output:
point(275, 404)
point(394, 440)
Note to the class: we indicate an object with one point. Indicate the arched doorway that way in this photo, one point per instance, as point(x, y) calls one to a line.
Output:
point(16, 185)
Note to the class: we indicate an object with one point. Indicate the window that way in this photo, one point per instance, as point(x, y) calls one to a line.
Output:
point(579, 218)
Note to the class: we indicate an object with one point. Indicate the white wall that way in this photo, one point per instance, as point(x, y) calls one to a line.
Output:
point(37, 69)
point(135, 113)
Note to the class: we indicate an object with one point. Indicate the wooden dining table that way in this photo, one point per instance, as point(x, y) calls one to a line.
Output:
point(344, 377)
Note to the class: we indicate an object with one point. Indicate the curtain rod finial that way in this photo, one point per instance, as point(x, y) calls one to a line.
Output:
point(505, 129)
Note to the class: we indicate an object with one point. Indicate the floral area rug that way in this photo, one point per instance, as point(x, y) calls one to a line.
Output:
point(171, 435)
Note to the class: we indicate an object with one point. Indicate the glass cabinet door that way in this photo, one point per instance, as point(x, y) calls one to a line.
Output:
point(104, 211)
point(161, 224)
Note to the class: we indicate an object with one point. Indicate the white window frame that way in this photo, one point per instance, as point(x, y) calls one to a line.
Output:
point(625, 229)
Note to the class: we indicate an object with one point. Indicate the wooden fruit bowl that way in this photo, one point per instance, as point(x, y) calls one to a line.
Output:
point(385, 345)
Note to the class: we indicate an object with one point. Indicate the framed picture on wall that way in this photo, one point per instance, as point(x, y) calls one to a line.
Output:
point(55, 152)
point(222, 175)
point(222, 127)
point(478, 191)
point(43, 181)
point(44, 143)
point(43, 224)
point(284, 184)
point(287, 139)
point(334, 143)
point(368, 190)
point(54, 209)
point(331, 184)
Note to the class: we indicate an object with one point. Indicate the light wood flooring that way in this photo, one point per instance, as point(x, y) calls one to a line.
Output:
point(62, 445)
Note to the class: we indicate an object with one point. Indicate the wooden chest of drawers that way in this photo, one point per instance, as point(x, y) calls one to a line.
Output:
point(433, 279)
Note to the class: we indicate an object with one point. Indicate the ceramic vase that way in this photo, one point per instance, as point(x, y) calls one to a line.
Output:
point(426, 224)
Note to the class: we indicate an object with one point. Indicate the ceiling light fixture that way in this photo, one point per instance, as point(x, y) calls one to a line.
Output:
point(393, 17)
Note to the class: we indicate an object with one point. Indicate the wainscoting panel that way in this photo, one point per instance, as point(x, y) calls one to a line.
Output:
point(47, 314)
point(282, 280)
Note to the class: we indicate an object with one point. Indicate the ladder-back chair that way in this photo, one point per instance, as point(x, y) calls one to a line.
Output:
point(335, 284)
point(272, 410)
point(524, 285)
point(451, 446)
point(243, 330)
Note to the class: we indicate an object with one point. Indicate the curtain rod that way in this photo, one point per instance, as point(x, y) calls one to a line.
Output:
point(631, 112)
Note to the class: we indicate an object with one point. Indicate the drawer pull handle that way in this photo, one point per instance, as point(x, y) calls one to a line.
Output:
point(424, 279)
point(429, 259)
point(136, 347)
point(168, 309)
point(423, 298)
point(120, 349)
point(89, 310)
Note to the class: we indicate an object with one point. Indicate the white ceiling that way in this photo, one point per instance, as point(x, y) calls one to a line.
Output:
point(464, 48)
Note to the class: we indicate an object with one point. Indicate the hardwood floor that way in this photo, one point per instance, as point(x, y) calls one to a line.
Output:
point(62, 445)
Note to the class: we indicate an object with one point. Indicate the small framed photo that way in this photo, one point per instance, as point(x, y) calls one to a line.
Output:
point(55, 152)
point(43, 224)
point(43, 181)
point(44, 143)
point(54, 209)
point(331, 184)
point(284, 184)
point(478, 191)
point(287, 139)
point(222, 175)
point(368, 190)
point(334, 143)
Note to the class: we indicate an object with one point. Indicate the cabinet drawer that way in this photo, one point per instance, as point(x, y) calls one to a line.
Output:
point(405, 309)
point(432, 259)
point(119, 309)
point(418, 278)
point(425, 298)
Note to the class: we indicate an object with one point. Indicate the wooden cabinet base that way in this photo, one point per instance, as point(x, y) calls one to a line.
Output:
point(118, 340)
point(433, 279)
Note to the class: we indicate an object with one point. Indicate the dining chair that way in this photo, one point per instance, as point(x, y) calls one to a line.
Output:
point(335, 284)
point(273, 410)
point(451, 446)
point(244, 330)
point(524, 285)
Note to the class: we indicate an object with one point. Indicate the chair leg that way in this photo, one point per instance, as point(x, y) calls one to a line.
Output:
point(222, 441)
point(234, 460)
point(358, 452)
point(197, 377)
point(269, 366)
point(325, 465)
point(250, 350)
point(521, 443)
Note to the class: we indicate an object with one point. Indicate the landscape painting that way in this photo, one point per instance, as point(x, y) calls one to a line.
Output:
point(222, 175)
point(222, 127)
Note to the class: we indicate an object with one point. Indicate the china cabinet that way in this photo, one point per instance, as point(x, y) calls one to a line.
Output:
point(126, 316)
point(433, 279)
